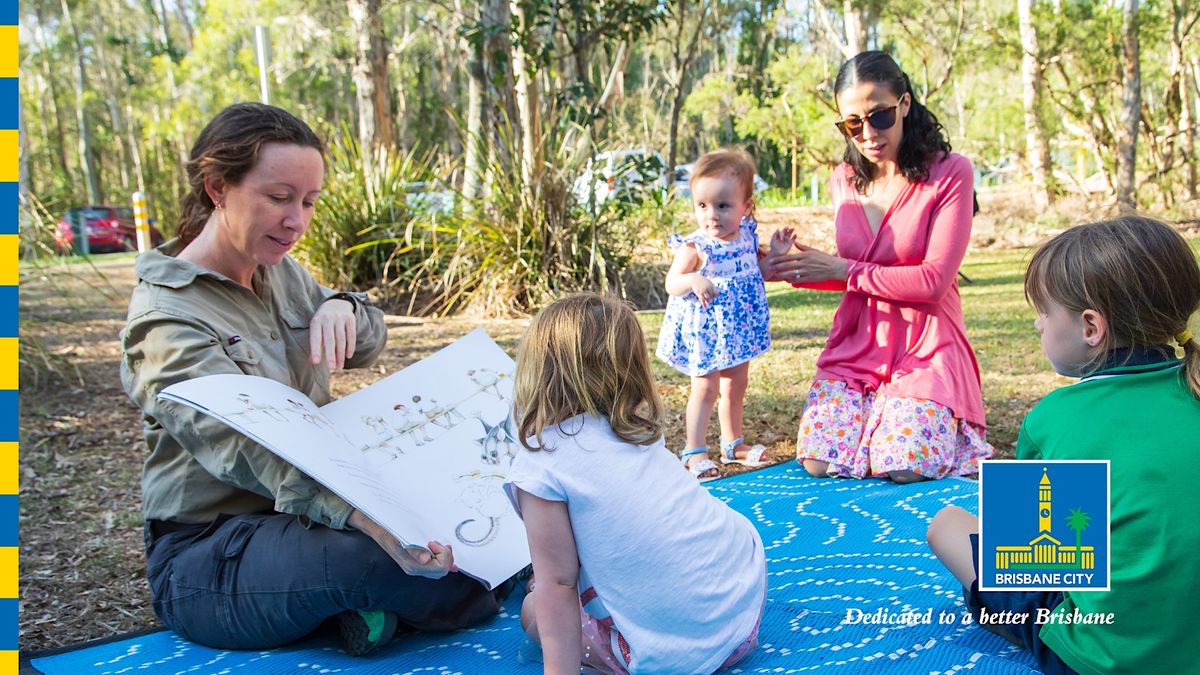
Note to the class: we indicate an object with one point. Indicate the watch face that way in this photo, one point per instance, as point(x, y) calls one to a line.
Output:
point(1045, 513)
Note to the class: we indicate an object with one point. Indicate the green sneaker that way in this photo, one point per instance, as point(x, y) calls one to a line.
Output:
point(363, 632)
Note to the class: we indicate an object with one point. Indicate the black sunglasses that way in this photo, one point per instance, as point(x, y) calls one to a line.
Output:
point(880, 120)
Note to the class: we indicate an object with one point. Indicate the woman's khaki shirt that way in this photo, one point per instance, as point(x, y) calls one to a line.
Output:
point(186, 321)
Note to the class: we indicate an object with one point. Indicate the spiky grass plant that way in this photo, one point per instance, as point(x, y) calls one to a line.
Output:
point(365, 233)
point(530, 238)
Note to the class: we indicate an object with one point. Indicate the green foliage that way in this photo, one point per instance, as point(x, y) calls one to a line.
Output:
point(799, 108)
point(364, 232)
point(713, 102)
point(525, 243)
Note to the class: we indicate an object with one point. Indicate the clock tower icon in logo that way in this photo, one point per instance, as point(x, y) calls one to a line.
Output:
point(1044, 502)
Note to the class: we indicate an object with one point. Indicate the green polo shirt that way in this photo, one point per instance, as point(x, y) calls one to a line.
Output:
point(1147, 422)
point(186, 321)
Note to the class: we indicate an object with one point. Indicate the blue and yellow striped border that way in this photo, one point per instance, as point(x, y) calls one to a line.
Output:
point(10, 103)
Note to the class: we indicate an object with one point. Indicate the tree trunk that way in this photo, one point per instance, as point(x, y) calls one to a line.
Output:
point(857, 28)
point(614, 84)
point(372, 90)
point(476, 151)
point(136, 153)
point(501, 98)
point(447, 71)
point(60, 134)
point(683, 56)
point(178, 137)
point(1131, 105)
point(188, 31)
point(526, 89)
point(478, 82)
point(1188, 115)
point(86, 151)
point(382, 101)
point(1031, 78)
point(110, 81)
point(1183, 134)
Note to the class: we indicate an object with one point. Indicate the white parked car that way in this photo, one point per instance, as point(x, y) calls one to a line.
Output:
point(683, 181)
point(621, 174)
point(429, 197)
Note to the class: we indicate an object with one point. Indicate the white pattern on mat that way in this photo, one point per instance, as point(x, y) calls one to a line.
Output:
point(832, 545)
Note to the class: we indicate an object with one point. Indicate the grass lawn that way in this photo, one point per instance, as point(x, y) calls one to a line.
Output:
point(1016, 374)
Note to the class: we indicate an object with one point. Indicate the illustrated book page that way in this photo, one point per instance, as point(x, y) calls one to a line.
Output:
point(423, 452)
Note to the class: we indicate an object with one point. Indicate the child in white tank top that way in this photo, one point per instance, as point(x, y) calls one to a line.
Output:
point(638, 568)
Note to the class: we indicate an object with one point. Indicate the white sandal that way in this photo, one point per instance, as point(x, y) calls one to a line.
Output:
point(702, 467)
point(755, 457)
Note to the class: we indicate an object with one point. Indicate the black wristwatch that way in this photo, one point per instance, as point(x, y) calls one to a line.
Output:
point(348, 298)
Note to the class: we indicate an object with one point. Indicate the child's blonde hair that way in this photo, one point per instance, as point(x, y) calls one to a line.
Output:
point(733, 162)
point(1136, 271)
point(586, 354)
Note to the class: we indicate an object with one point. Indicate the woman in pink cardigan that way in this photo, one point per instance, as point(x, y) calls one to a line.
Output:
point(896, 392)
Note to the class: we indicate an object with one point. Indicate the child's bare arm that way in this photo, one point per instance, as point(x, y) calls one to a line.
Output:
point(684, 276)
point(556, 568)
point(685, 264)
point(782, 240)
point(781, 243)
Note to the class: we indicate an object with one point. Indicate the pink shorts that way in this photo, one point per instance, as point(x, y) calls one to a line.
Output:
point(609, 649)
point(863, 434)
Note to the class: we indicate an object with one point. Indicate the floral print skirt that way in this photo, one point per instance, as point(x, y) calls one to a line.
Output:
point(864, 434)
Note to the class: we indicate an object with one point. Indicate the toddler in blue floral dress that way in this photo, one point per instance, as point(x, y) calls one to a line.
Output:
point(717, 317)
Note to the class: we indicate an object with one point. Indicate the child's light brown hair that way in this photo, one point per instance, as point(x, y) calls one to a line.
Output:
point(586, 354)
point(733, 162)
point(1136, 271)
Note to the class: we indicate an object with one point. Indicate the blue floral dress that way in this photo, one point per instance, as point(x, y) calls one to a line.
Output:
point(735, 327)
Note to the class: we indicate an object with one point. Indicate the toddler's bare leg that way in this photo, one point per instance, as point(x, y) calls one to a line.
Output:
point(731, 409)
point(699, 412)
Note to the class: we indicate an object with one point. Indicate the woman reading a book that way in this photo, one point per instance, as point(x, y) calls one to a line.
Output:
point(244, 551)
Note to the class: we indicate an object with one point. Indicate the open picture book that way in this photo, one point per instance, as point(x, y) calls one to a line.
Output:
point(423, 452)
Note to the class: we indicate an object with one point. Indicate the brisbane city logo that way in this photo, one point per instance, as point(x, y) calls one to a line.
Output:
point(1044, 525)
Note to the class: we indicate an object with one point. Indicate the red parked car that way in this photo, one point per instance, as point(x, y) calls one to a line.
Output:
point(109, 229)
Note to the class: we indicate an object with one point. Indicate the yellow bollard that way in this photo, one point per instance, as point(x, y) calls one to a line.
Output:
point(141, 222)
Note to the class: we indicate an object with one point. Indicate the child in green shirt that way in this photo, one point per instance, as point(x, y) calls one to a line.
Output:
point(1110, 297)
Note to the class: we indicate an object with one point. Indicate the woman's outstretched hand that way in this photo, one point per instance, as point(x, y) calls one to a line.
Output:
point(414, 562)
point(333, 333)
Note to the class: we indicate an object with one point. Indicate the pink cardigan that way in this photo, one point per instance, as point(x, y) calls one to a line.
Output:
point(899, 328)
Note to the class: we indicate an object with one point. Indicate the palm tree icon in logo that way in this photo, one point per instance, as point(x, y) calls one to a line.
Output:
point(1078, 521)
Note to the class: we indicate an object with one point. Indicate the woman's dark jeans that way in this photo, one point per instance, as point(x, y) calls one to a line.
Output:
point(258, 581)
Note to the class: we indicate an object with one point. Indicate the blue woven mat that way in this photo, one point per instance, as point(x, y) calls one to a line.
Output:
point(834, 547)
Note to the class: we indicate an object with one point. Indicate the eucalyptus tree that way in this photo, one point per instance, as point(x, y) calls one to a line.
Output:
point(1131, 108)
point(686, 22)
point(87, 153)
point(1036, 155)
